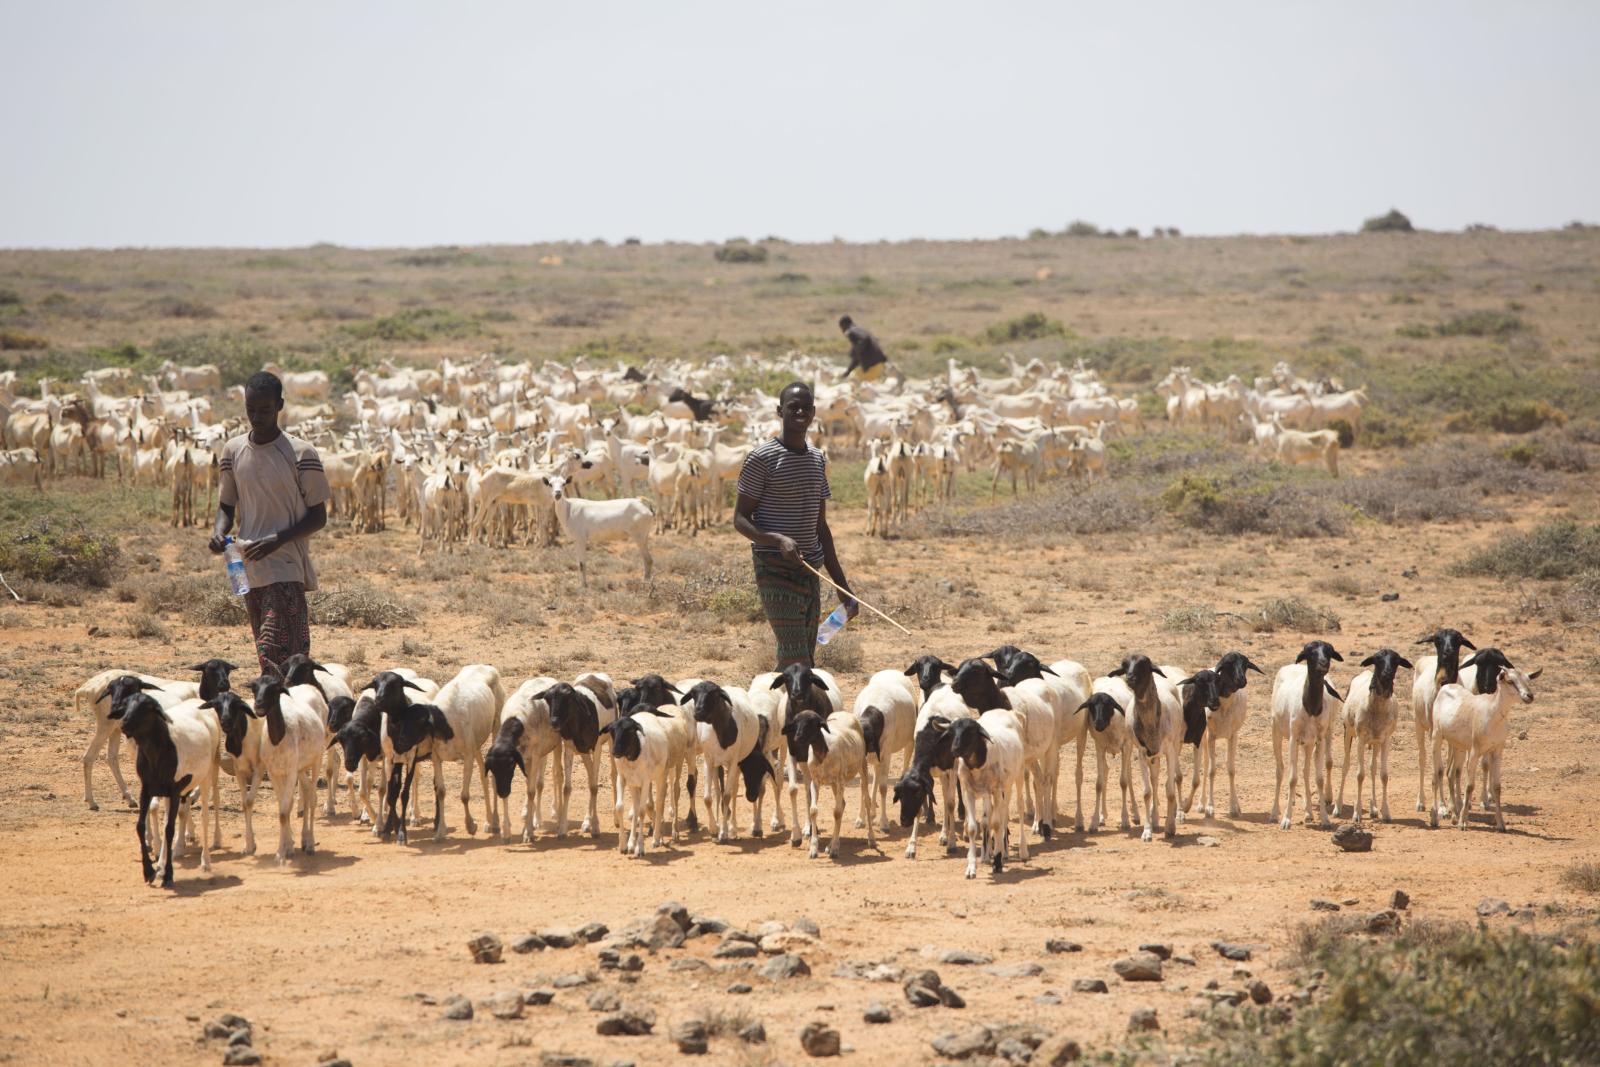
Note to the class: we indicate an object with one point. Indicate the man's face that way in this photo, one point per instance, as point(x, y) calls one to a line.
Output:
point(797, 409)
point(261, 410)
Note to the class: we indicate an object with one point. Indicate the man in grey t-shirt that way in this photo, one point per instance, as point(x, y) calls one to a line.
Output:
point(276, 485)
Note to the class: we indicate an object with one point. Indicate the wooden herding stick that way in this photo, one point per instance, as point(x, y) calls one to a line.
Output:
point(857, 599)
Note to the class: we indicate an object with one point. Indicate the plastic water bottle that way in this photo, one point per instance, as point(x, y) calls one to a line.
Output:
point(236, 576)
point(831, 625)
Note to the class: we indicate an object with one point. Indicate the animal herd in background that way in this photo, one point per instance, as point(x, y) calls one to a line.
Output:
point(986, 735)
point(488, 451)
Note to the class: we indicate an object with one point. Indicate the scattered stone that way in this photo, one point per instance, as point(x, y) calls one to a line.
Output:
point(735, 950)
point(771, 926)
point(740, 988)
point(1015, 970)
point(1350, 902)
point(1352, 838)
point(665, 932)
point(215, 1031)
point(1013, 1051)
point(505, 1005)
point(558, 937)
point(676, 912)
point(1230, 997)
point(1207, 841)
point(572, 981)
point(978, 1041)
point(335, 1060)
point(528, 943)
point(1187, 961)
point(1260, 992)
point(627, 1023)
point(459, 1008)
point(1157, 948)
point(631, 963)
point(732, 934)
point(754, 1033)
point(1322, 904)
point(1400, 900)
point(566, 1059)
point(1048, 997)
point(920, 996)
point(950, 998)
point(960, 957)
point(819, 1039)
point(603, 1000)
point(591, 932)
point(785, 966)
point(787, 941)
point(239, 1037)
point(709, 924)
point(538, 997)
point(1056, 1051)
point(868, 971)
point(1090, 985)
point(1241, 971)
point(1383, 922)
point(691, 1038)
point(877, 1012)
point(485, 948)
point(1057, 945)
point(807, 926)
point(1389, 598)
point(1212, 983)
point(1229, 951)
point(688, 963)
point(1139, 967)
point(1143, 1019)
point(1492, 906)
point(241, 1056)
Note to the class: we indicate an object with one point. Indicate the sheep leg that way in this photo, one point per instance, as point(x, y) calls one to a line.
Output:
point(591, 822)
point(1077, 814)
point(208, 809)
point(812, 791)
point(1438, 784)
point(1174, 787)
point(438, 797)
point(1145, 774)
point(872, 830)
point(873, 764)
point(390, 804)
point(467, 820)
point(1493, 782)
point(102, 733)
point(247, 794)
point(166, 845)
point(1383, 764)
point(1210, 802)
point(285, 792)
point(643, 541)
point(1465, 814)
point(624, 829)
point(532, 779)
point(1099, 798)
point(973, 837)
point(793, 789)
point(658, 807)
point(1294, 785)
point(410, 768)
point(308, 812)
point(1422, 767)
point(561, 768)
point(1277, 787)
point(1344, 772)
point(139, 828)
point(727, 795)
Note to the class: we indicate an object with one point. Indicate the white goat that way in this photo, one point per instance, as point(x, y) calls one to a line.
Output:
point(827, 751)
point(1300, 716)
point(471, 703)
point(886, 707)
point(593, 521)
point(1369, 720)
point(1474, 726)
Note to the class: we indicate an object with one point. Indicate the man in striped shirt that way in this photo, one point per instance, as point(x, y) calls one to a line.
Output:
point(782, 510)
point(278, 488)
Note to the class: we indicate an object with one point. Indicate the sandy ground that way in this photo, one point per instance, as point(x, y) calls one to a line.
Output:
point(337, 950)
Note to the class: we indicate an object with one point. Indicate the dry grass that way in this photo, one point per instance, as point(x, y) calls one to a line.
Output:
point(1190, 618)
point(1295, 615)
point(1582, 877)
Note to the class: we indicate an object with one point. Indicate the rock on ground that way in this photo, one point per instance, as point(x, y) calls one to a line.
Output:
point(1139, 967)
point(819, 1039)
point(485, 948)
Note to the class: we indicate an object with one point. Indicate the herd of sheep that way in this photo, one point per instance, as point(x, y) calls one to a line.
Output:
point(496, 452)
point(985, 735)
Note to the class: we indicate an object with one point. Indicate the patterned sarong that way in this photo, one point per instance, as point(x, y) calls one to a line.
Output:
point(279, 621)
point(792, 598)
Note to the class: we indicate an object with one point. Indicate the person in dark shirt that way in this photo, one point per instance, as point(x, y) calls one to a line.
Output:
point(866, 354)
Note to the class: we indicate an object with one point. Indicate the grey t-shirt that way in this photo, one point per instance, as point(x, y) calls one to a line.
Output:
point(273, 486)
point(789, 488)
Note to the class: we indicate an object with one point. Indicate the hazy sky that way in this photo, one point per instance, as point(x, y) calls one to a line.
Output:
point(399, 123)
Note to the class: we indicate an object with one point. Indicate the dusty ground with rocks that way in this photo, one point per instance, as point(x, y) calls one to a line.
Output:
point(362, 948)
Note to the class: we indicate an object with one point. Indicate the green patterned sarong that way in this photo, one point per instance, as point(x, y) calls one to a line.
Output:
point(792, 598)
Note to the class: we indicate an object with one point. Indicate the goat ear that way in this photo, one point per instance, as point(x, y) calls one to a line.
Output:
point(1370, 660)
point(674, 690)
point(910, 671)
point(334, 740)
point(1186, 681)
point(1333, 654)
point(196, 667)
point(819, 683)
point(1404, 662)
point(407, 683)
point(1470, 660)
point(1535, 674)
point(1157, 671)
point(1301, 658)
point(939, 723)
point(1117, 672)
point(148, 687)
point(788, 728)
point(540, 695)
point(1086, 705)
point(229, 666)
point(779, 682)
point(1469, 644)
point(1249, 666)
point(165, 717)
point(946, 668)
point(520, 761)
point(983, 733)
point(1046, 670)
point(1332, 691)
point(1425, 640)
point(658, 713)
point(107, 692)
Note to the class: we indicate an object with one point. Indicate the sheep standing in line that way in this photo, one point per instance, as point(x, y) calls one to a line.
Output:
point(977, 684)
point(828, 751)
point(579, 712)
point(1201, 697)
point(1299, 717)
point(177, 752)
point(471, 703)
point(95, 692)
point(1369, 720)
point(523, 740)
point(931, 755)
point(1156, 715)
point(642, 753)
point(801, 688)
point(1440, 669)
point(1474, 727)
point(728, 736)
point(990, 762)
point(1224, 724)
point(886, 708)
point(771, 703)
point(1106, 710)
point(292, 742)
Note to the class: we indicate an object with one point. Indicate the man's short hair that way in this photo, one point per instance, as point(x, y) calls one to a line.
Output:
point(845, 322)
point(794, 387)
point(265, 382)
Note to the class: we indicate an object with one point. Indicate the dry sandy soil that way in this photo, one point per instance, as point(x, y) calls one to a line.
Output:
point(333, 951)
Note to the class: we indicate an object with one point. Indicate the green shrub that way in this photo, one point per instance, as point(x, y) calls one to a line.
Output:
point(58, 550)
point(416, 324)
point(1436, 994)
point(10, 298)
point(1080, 228)
point(1038, 233)
point(740, 251)
point(180, 308)
point(1480, 324)
point(17, 341)
point(1557, 549)
point(1548, 452)
point(1391, 222)
point(1414, 330)
point(1029, 327)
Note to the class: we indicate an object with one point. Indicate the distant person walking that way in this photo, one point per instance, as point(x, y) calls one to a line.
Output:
point(782, 510)
point(866, 355)
point(276, 484)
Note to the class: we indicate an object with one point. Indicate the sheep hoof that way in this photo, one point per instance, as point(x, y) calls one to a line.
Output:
point(998, 864)
point(1046, 831)
point(756, 831)
point(972, 870)
point(911, 852)
point(93, 806)
point(1149, 835)
point(1285, 823)
point(861, 824)
point(813, 851)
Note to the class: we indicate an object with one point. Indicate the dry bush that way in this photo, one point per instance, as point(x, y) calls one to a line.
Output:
point(842, 655)
point(1557, 549)
point(1294, 614)
point(1582, 877)
point(729, 593)
point(56, 550)
point(1189, 618)
point(359, 605)
point(1106, 507)
point(148, 628)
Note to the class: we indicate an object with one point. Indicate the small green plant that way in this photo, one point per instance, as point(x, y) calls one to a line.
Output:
point(1498, 324)
point(1080, 228)
point(1029, 327)
point(1556, 549)
point(416, 324)
point(1414, 330)
point(58, 550)
point(739, 250)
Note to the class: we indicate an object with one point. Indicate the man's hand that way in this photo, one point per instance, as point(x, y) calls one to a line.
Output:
point(788, 549)
point(261, 548)
point(852, 606)
point(215, 544)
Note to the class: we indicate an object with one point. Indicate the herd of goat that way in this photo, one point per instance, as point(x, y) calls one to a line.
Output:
point(986, 735)
point(473, 451)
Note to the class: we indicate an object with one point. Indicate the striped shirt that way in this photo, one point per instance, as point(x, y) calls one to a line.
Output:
point(789, 488)
point(273, 486)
